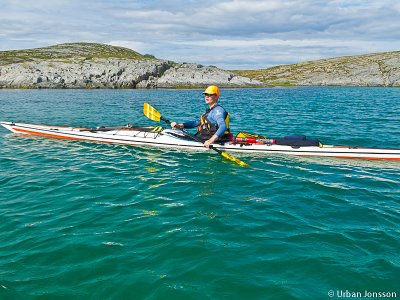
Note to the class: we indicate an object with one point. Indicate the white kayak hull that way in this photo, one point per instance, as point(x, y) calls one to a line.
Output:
point(160, 137)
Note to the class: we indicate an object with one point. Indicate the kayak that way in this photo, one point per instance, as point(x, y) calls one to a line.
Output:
point(174, 138)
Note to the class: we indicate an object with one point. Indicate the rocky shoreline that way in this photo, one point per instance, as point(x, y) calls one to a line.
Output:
point(369, 70)
point(77, 68)
point(117, 73)
point(91, 65)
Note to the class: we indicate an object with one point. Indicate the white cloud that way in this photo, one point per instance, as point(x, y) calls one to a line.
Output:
point(252, 6)
point(227, 33)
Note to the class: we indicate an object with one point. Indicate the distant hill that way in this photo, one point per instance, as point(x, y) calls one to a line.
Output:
point(68, 51)
point(377, 69)
point(92, 65)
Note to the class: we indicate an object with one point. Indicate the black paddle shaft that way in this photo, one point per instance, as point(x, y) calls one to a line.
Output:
point(200, 140)
point(165, 120)
point(192, 136)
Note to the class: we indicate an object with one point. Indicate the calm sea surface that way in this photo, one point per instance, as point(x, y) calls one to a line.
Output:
point(81, 220)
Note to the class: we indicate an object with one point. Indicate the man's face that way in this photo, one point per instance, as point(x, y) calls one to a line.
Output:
point(210, 98)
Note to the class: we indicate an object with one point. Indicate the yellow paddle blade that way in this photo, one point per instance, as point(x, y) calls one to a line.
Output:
point(234, 159)
point(150, 112)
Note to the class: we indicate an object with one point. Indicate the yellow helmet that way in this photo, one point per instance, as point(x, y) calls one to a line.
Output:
point(212, 89)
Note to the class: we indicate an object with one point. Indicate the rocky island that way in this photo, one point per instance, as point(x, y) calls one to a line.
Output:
point(91, 65)
point(377, 69)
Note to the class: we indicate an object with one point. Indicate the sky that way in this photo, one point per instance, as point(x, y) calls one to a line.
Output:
point(230, 34)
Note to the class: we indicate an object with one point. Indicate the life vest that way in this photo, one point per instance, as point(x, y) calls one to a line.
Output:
point(207, 129)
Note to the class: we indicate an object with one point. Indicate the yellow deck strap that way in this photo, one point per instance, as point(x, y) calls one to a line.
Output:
point(157, 129)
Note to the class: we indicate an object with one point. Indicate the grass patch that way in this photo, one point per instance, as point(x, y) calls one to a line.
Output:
point(283, 83)
point(68, 52)
point(289, 75)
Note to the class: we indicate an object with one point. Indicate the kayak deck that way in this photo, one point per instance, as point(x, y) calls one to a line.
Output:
point(171, 138)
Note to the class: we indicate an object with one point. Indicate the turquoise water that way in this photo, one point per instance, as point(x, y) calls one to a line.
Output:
point(83, 220)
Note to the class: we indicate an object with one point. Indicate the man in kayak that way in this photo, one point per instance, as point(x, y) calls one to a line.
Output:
point(213, 125)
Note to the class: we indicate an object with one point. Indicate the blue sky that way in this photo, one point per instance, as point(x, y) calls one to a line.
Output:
point(234, 34)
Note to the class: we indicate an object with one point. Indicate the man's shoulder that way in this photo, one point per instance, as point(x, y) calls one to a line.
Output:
point(219, 108)
point(219, 111)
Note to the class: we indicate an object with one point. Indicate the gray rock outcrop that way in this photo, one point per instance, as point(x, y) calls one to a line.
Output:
point(378, 69)
point(81, 71)
point(94, 73)
point(194, 75)
point(91, 65)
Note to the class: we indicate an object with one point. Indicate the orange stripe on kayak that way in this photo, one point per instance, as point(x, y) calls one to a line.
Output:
point(65, 137)
point(47, 134)
point(368, 158)
point(353, 157)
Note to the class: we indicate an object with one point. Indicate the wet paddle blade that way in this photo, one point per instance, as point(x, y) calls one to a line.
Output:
point(234, 159)
point(150, 112)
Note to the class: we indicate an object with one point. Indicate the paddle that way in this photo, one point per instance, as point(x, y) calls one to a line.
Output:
point(154, 115)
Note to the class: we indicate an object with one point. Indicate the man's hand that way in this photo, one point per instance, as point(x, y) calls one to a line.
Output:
point(210, 141)
point(176, 125)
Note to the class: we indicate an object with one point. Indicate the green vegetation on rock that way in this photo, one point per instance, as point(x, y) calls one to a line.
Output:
point(77, 65)
point(91, 65)
point(376, 69)
point(68, 52)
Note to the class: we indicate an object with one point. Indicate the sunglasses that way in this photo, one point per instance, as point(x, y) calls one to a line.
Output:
point(209, 95)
